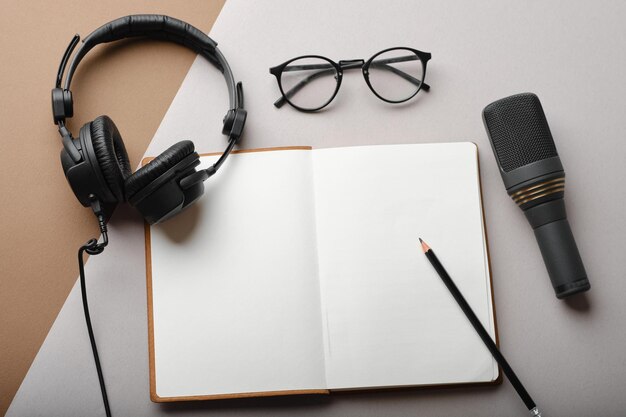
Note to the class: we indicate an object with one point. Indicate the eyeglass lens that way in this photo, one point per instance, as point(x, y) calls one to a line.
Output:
point(309, 83)
point(396, 75)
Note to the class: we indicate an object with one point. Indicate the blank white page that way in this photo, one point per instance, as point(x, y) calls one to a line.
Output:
point(388, 318)
point(234, 283)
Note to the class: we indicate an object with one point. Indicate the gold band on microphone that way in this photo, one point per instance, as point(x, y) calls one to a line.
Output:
point(536, 191)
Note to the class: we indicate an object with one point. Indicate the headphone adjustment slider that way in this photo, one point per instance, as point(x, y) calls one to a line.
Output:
point(62, 104)
point(68, 143)
point(239, 121)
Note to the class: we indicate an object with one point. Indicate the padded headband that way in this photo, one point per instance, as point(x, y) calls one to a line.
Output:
point(158, 27)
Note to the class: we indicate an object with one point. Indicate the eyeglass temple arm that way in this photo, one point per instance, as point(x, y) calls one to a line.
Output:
point(402, 74)
point(382, 63)
point(306, 67)
point(328, 69)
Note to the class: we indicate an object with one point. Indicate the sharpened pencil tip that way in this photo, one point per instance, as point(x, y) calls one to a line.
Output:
point(425, 247)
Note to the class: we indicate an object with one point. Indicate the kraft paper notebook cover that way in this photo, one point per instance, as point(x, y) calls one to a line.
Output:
point(299, 271)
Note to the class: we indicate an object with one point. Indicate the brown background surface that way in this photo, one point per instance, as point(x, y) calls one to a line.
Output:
point(41, 223)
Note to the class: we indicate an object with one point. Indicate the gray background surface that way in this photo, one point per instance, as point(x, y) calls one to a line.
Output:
point(569, 354)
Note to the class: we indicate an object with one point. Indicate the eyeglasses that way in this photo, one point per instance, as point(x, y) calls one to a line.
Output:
point(310, 82)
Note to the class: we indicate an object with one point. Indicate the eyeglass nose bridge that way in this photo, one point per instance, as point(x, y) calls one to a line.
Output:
point(351, 64)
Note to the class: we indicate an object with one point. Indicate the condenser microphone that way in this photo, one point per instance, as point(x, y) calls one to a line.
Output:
point(534, 178)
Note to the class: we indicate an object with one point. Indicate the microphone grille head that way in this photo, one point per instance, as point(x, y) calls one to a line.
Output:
point(519, 131)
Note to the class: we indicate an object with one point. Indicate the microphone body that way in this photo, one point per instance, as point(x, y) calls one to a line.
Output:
point(534, 178)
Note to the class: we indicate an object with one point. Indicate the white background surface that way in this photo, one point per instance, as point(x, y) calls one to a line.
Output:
point(569, 354)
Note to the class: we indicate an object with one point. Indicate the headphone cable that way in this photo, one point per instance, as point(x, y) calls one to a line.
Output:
point(92, 247)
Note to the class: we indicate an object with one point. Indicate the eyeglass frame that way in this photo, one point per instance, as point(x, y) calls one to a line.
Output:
point(338, 67)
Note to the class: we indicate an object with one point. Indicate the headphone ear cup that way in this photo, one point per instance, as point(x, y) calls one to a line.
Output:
point(157, 167)
point(111, 155)
point(156, 190)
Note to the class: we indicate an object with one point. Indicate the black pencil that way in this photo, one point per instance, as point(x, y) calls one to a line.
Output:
point(480, 329)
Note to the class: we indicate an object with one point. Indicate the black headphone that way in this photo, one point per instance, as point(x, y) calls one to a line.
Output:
point(96, 165)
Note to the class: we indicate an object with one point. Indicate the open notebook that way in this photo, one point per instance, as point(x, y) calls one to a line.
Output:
point(299, 271)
